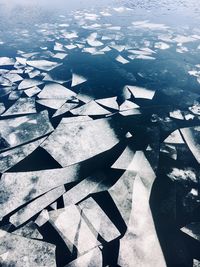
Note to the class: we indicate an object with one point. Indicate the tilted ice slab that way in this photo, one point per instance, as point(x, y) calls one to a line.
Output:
point(11, 157)
point(20, 251)
point(56, 91)
point(45, 65)
point(51, 103)
point(193, 230)
point(24, 129)
point(21, 187)
point(110, 102)
point(90, 108)
point(83, 189)
point(141, 92)
point(73, 229)
point(98, 219)
point(6, 61)
point(141, 234)
point(121, 193)
point(75, 142)
point(64, 108)
point(121, 59)
point(92, 258)
point(77, 79)
point(28, 83)
point(29, 230)
point(37, 205)
point(21, 106)
point(32, 91)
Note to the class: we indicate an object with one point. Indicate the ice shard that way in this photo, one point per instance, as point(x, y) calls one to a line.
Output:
point(51, 103)
point(6, 61)
point(21, 187)
point(29, 230)
point(37, 205)
point(66, 145)
point(98, 219)
point(45, 65)
point(140, 92)
point(110, 102)
point(17, 131)
point(65, 108)
point(21, 106)
point(73, 229)
point(83, 189)
point(141, 234)
point(28, 83)
point(77, 79)
point(10, 158)
point(92, 258)
point(56, 91)
point(90, 108)
point(21, 251)
point(193, 230)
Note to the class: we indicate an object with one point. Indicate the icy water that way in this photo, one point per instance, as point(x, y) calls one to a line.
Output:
point(108, 90)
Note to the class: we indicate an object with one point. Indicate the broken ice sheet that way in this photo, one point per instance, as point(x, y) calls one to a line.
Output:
point(21, 251)
point(32, 91)
point(21, 187)
point(11, 157)
point(60, 55)
point(42, 218)
point(193, 230)
point(21, 106)
point(56, 91)
point(51, 103)
point(17, 131)
point(43, 64)
point(83, 189)
point(92, 258)
point(121, 193)
point(77, 79)
point(66, 144)
point(92, 41)
point(6, 61)
point(141, 92)
point(140, 165)
point(110, 102)
point(127, 104)
point(33, 74)
point(12, 77)
point(90, 108)
point(124, 159)
point(192, 139)
point(141, 234)
point(98, 219)
point(121, 59)
point(73, 229)
point(29, 230)
point(64, 108)
point(28, 83)
point(34, 207)
point(174, 138)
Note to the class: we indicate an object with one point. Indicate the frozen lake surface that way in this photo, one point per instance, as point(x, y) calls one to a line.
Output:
point(99, 133)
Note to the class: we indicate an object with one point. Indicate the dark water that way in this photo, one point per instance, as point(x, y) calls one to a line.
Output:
point(169, 31)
